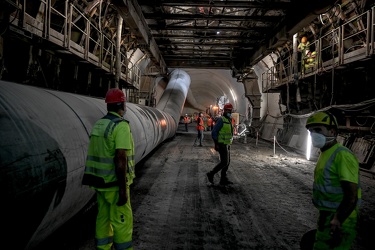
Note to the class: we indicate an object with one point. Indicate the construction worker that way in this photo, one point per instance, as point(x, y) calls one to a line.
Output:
point(200, 129)
point(304, 48)
point(336, 189)
point(110, 171)
point(310, 60)
point(209, 123)
point(186, 122)
point(222, 134)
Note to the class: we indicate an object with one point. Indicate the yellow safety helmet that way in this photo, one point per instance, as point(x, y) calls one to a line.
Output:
point(322, 118)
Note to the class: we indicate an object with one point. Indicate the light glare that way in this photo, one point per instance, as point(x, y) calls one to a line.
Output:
point(308, 146)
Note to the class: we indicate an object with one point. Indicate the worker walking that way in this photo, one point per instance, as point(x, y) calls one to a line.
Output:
point(200, 129)
point(336, 189)
point(222, 134)
point(110, 171)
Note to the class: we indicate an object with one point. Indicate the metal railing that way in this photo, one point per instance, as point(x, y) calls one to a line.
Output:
point(352, 41)
point(73, 30)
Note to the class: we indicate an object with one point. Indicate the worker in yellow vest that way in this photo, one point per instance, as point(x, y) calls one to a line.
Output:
point(110, 171)
point(336, 189)
point(222, 134)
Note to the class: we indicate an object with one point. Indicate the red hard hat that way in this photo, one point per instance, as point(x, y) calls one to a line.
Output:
point(114, 96)
point(228, 106)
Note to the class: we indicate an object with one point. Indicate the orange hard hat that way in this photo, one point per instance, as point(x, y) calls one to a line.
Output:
point(228, 106)
point(114, 95)
point(304, 39)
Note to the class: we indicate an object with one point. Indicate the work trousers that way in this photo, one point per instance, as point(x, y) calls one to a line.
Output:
point(223, 165)
point(114, 224)
point(341, 241)
point(199, 137)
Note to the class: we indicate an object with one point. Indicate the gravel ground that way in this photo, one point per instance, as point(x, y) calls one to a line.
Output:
point(268, 206)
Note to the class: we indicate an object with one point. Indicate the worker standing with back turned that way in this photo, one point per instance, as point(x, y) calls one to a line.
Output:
point(200, 129)
point(222, 134)
point(110, 171)
point(336, 189)
point(186, 122)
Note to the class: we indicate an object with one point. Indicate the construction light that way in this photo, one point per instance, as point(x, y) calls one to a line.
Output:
point(308, 146)
point(163, 123)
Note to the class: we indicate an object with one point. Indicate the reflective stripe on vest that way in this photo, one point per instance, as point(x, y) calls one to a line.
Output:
point(323, 191)
point(101, 168)
point(226, 132)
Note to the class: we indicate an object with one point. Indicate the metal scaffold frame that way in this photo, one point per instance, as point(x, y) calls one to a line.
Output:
point(75, 32)
point(330, 52)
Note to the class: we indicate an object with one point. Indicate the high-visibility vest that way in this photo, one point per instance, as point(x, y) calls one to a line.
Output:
point(226, 132)
point(327, 191)
point(100, 171)
point(209, 122)
point(200, 125)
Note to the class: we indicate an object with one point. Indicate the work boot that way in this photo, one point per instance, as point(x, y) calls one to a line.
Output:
point(210, 177)
point(225, 181)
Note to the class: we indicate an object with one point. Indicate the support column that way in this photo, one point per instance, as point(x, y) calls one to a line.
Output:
point(253, 94)
point(118, 50)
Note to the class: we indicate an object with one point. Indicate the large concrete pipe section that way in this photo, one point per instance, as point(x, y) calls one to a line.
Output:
point(43, 142)
point(174, 95)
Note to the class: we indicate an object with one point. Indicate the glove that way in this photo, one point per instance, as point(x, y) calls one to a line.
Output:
point(336, 238)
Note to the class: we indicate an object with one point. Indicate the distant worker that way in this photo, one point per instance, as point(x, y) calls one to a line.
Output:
point(304, 48)
point(110, 171)
point(205, 122)
point(186, 122)
point(200, 129)
point(222, 134)
point(234, 126)
point(310, 60)
point(336, 189)
point(209, 123)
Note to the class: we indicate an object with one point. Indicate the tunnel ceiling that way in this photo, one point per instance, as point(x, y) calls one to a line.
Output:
point(223, 34)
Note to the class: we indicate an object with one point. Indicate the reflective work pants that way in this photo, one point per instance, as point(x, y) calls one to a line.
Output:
point(114, 224)
point(323, 239)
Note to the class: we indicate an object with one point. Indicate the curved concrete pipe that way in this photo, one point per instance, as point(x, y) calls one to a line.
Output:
point(43, 142)
point(174, 95)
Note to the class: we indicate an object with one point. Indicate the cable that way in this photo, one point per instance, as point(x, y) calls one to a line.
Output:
point(371, 128)
point(344, 107)
point(282, 147)
point(361, 124)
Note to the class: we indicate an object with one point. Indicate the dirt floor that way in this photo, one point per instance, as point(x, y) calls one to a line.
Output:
point(268, 206)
